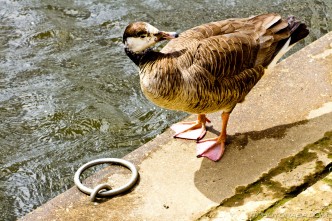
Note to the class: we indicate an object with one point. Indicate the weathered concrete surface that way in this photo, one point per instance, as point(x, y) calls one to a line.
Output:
point(313, 203)
point(289, 109)
point(280, 184)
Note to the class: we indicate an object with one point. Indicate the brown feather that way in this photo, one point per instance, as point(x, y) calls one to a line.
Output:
point(214, 66)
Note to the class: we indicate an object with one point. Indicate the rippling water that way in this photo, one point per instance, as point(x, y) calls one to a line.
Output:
point(69, 94)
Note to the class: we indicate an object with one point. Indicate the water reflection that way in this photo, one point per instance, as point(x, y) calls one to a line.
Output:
point(69, 94)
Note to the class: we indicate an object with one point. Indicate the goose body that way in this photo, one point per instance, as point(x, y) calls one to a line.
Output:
point(210, 67)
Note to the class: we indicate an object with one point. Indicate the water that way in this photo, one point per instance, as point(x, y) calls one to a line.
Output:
point(69, 94)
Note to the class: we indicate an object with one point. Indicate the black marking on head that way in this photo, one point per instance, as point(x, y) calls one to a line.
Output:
point(136, 29)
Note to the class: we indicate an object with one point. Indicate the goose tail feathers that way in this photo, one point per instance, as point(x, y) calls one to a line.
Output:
point(298, 29)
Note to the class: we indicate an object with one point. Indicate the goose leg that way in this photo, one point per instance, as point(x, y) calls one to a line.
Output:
point(215, 147)
point(194, 130)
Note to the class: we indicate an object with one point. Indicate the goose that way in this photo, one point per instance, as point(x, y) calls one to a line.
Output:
point(208, 68)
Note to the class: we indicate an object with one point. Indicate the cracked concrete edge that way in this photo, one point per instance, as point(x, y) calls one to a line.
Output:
point(280, 184)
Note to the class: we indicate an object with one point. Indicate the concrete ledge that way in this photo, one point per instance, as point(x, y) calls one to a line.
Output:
point(278, 146)
point(265, 197)
point(313, 203)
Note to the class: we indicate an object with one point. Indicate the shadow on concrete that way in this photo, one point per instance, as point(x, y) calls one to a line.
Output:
point(253, 151)
point(241, 139)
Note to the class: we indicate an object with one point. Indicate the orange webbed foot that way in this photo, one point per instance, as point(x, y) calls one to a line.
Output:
point(212, 149)
point(194, 130)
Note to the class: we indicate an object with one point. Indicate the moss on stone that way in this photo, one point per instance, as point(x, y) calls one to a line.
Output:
point(267, 184)
point(328, 181)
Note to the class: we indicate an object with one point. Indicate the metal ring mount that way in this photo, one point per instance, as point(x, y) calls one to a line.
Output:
point(98, 190)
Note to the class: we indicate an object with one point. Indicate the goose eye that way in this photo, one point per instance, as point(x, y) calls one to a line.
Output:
point(142, 36)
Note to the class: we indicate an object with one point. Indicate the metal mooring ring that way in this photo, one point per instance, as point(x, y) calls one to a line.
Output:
point(97, 192)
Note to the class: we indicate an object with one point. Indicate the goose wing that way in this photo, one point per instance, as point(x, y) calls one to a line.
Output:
point(221, 61)
point(228, 47)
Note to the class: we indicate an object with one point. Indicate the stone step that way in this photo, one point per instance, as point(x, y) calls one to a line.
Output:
point(313, 203)
point(263, 198)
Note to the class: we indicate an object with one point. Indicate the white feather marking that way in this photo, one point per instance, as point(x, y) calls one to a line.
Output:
point(273, 21)
point(281, 53)
point(151, 29)
point(140, 44)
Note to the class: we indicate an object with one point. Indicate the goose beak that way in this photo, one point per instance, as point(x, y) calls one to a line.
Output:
point(163, 35)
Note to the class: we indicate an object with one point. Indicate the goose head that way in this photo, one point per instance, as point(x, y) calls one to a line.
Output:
point(139, 36)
